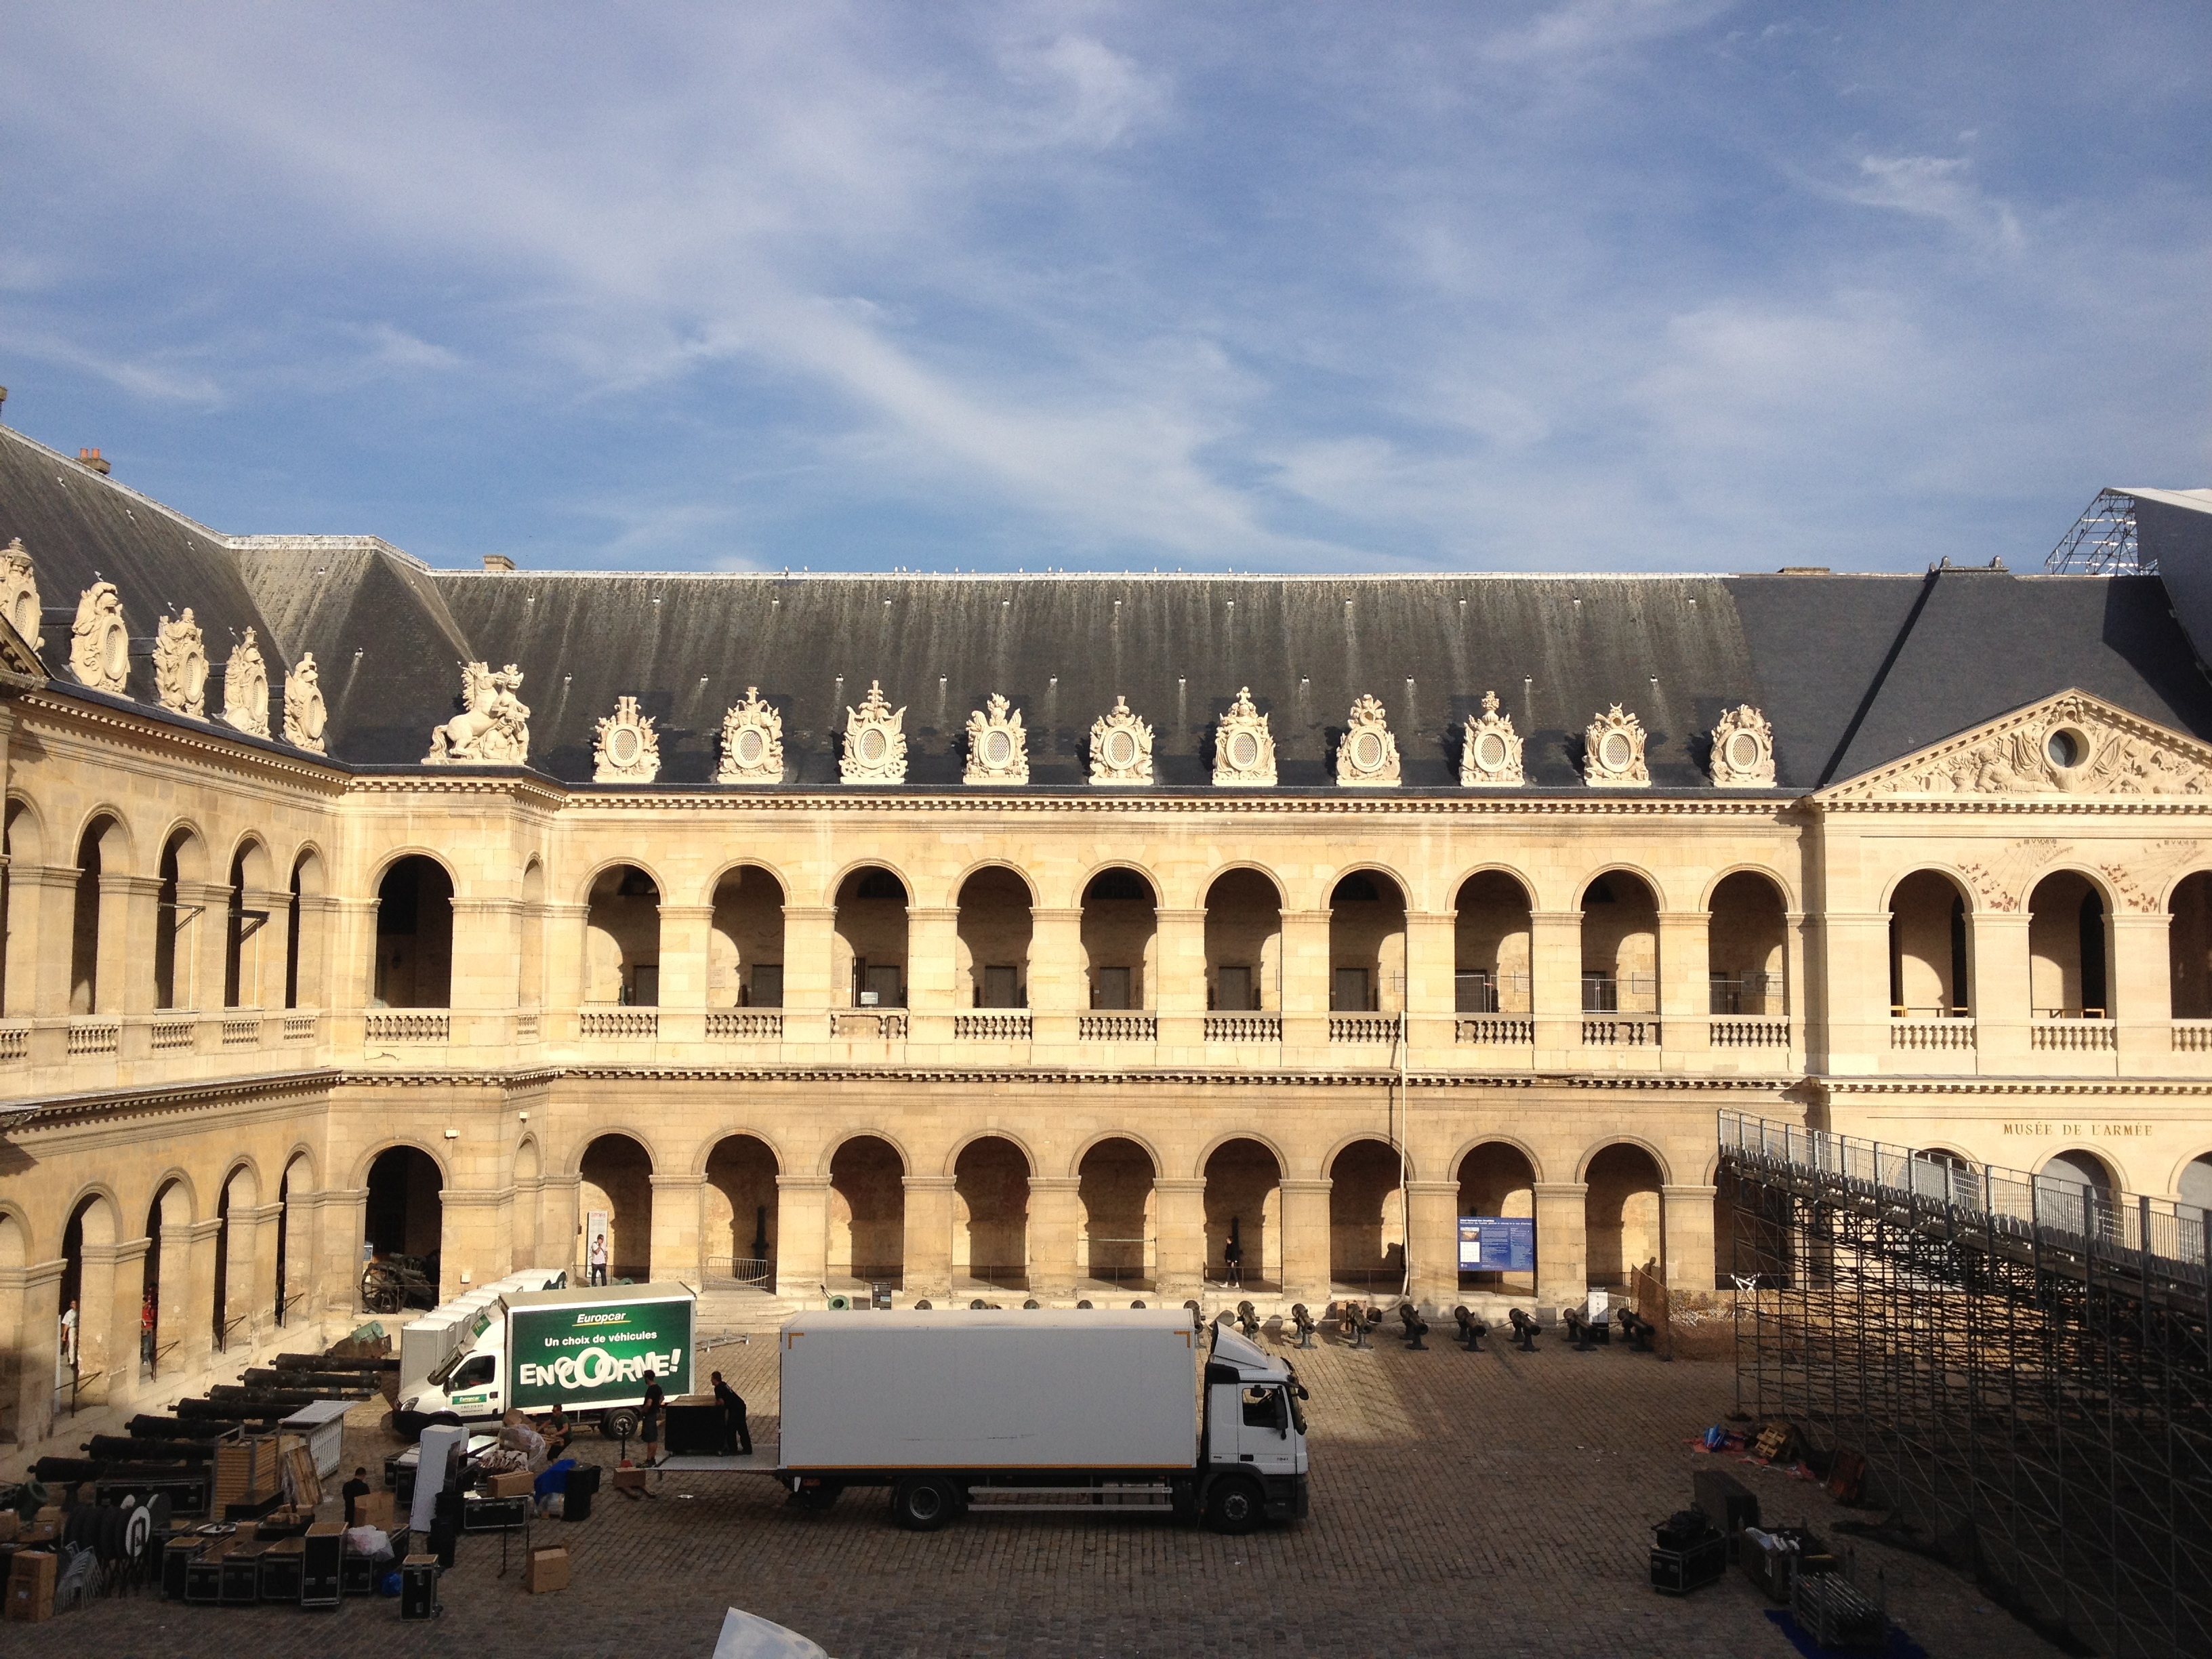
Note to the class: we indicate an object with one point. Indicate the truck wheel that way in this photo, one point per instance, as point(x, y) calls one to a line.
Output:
point(1234, 1506)
point(924, 1503)
point(618, 1426)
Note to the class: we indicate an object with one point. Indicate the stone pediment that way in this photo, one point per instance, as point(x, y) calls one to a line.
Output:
point(2069, 746)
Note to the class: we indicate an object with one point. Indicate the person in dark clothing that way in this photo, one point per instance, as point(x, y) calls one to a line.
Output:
point(1232, 1263)
point(648, 1426)
point(737, 1438)
point(353, 1492)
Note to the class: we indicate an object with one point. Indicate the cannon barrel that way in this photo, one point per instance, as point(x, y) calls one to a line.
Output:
point(1471, 1330)
point(176, 1428)
point(1302, 1318)
point(1416, 1327)
point(129, 1449)
point(331, 1362)
point(1524, 1329)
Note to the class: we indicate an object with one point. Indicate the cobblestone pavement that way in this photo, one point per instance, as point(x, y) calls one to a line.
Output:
point(1494, 1504)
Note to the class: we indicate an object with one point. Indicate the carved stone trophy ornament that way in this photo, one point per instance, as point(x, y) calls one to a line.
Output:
point(752, 742)
point(1613, 752)
point(305, 714)
point(180, 665)
point(245, 689)
point(1368, 757)
point(998, 747)
point(627, 748)
point(1243, 748)
point(99, 645)
point(875, 741)
point(1490, 757)
point(1743, 750)
point(19, 591)
point(492, 725)
point(1121, 747)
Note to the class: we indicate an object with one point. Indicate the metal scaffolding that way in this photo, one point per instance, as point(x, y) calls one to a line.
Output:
point(2023, 1363)
point(2102, 542)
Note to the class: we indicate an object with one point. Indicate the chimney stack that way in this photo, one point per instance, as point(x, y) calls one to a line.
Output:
point(91, 458)
point(498, 561)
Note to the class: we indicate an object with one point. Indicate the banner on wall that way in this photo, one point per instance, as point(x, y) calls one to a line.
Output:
point(1497, 1244)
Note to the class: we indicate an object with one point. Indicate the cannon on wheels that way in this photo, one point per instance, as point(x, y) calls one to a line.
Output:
point(390, 1283)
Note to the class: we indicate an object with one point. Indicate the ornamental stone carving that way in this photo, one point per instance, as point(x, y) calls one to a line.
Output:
point(1368, 757)
point(627, 748)
point(492, 725)
point(1243, 748)
point(1490, 755)
point(1121, 747)
point(1613, 752)
point(1743, 750)
point(99, 645)
point(305, 713)
point(998, 747)
point(2070, 744)
point(752, 742)
point(180, 665)
point(875, 741)
point(19, 591)
point(245, 689)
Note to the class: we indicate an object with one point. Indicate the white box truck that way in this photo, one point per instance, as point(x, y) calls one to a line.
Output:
point(583, 1348)
point(1035, 1409)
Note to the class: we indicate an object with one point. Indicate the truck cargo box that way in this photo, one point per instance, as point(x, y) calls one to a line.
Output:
point(1022, 1389)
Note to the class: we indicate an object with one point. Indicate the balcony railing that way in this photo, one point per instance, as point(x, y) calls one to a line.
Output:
point(633, 1024)
point(299, 1028)
point(1117, 1027)
point(1947, 1035)
point(1747, 1031)
point(2191, 1036)
point(1362, 1027)
point(1494, 1030)
point(746, 1025)
point(990, 1028)
point(1623, 1033)
point(526, 1027)
point(2076, 1037)
point(1243, 1028)
point(241, 1031)
point(410, 1026)
point(864, 1024)
point(173, 1035)
point(14, 1042)
point(94, 1036)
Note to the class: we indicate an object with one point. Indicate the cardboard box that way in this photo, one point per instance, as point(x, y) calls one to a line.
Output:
point(31, 1587)
point(373, 1509)
point(43, 1533)
point(510, 1485)
point(10, 1523)
point(629, 1479)
point(548, 1570)
point(51, 1516)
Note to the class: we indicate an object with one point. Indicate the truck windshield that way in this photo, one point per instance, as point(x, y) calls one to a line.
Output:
point(446, 1366)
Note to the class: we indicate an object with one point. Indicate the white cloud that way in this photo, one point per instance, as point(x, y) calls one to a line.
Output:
point(1937, 187)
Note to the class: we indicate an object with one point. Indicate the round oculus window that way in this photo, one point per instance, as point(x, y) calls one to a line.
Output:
point(872, 745)
point(2066, 748)
point(1244, 751)
point(115, 651)
point(1367, 752)
point(750, 746)
point(998, 748)
point(1614, 751)
point(1489, 752)
point(1122, 749)
point(1742, 752)
point(27, 617)
point(623, 745)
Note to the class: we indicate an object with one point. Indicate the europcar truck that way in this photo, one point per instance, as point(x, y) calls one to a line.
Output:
point(1035, 1409)
point(585, 1349)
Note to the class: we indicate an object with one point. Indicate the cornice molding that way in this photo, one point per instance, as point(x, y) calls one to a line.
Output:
point(238, 754)
point(112, 1104)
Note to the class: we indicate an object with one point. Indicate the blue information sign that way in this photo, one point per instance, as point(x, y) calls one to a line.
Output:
point(1497, 1244)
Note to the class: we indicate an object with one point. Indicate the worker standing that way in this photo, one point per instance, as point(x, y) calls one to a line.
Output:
point(737, 1437)
point(649, 1418)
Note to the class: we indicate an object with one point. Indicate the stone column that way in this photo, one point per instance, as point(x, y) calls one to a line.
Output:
point(1304, 994)
point(350, 956)
point(683, 939)
point(802, 1236)
point(302, 1225)
point(202, 945)
point(114, 977)
point(2001, 992)
point(1305, 1241)
point(31, 1304)
point(929, 1237)
point(319, 928)
point(469, 1239)
point(195, 1321)
point(261, 954)
point(1055, 1217)
point(1431, 946)
point(1555, 986)
point(343, 1229)
point(1686, 997)
point(1850, 1034)
point(564, 968)
point(808, 930)
point(932, 996)
point(96, 1323)
point(1058, 989)
point(32, 972)
point(1686, 1235)
point(487, 955)
point(1432, 1241)
point(129, 1301)
point(1562, 1242)
point(180, 1311)
point(2139, 981)
point(678, 1221)
point(1795, 1000)
point(1177, 990)
point(1179, 1233)
point(57, 930)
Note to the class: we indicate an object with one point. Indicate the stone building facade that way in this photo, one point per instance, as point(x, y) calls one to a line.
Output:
point(1037, 935)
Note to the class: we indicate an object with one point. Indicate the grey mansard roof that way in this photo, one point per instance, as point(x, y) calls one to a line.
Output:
point(1853, 670)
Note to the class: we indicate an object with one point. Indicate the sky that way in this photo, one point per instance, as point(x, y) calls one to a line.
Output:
point(1591, 285)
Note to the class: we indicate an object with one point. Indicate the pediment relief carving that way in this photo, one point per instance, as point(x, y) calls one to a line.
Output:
point(2072, 745)
point(19, 591)
point(1490, 755)
point(1121, 747)
point(998, 747)
point(1743, 750)
point(752, 742)
point(1368, 757)
point(306, 715)
point(1243, 748)
point(492, 725)
point(245, 689)
point(875, 740)
point(1612, 751)
point(627, 750)
point(99, 644)
point(180, 665)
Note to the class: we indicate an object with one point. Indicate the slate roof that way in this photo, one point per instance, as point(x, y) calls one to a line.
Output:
point(1853, 670)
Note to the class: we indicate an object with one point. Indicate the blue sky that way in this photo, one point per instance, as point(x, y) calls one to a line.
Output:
point(1604, 284)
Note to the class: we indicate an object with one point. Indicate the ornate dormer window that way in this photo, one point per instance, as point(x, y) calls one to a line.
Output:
point(752, 742)
point(1121, 747)
point(1490, 757)
point(875, 741)
point(1368, 757)
point(1613, 752)
point(19, 591)
point(99, 645)
point(305, 713)
point(998, 747)
point(1243, 748)
point(180, 665)
point(1743, 750)
point(245, 689)
point(627, 748)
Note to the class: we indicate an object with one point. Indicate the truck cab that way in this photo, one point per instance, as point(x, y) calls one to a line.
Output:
point(1255, 1466)
point(468, 1384)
